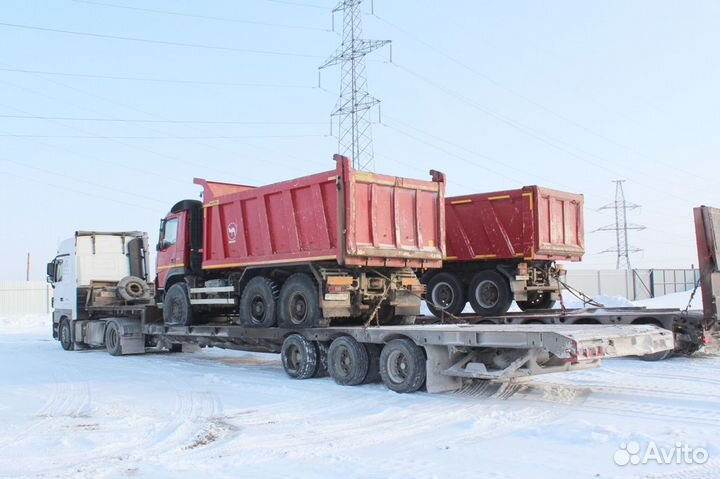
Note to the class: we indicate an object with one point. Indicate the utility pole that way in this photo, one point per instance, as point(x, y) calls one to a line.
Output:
point(354, 104)
point(621, 227)
point(27, 268)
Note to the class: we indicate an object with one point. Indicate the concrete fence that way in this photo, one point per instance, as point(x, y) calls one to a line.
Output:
point(633, 284)
point(25, 297)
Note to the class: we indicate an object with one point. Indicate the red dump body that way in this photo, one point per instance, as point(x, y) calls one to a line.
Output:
point(531, 223)
point(351, 217)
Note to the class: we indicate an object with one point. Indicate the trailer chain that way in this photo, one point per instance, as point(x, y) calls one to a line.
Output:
point(374, 314)
point(579, 295)
point(421, 298)
point(692, 296)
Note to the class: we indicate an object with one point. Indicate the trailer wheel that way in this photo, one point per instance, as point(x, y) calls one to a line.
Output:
point(540, 300)
point(65, 335)
point(348, 361)
point(299, 303)
point(402, 366)
point(490, 293)
point(112, 339)
point(299, 357)
point(258, 303)
point(445, 293)
point(176, 306)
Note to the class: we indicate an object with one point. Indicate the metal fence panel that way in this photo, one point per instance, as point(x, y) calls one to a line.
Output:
point(635, 284)
point(25, 297)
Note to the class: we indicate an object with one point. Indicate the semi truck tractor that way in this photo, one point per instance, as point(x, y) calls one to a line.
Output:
point(94, 270)
point(503, 246)
point(336, 246)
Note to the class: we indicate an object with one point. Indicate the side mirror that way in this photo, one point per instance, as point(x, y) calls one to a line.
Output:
point(51, 272)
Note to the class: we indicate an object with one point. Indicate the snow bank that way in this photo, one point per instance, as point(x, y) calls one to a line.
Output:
point(25, 323)
point(675, 300)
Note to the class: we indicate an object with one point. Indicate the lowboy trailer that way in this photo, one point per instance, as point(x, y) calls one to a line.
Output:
point(109, 306)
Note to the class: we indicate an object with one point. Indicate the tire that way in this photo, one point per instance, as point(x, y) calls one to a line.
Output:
point(65, 335)
point(299, 357)
point(373, 373)
point(112, 339)
point(489, 293)
point(348, 361)
point(445, 293)
point(132, 288)
point(299, 305)
point(402, 366)
point(258, 303)
point(541, 300)
point(176, 306)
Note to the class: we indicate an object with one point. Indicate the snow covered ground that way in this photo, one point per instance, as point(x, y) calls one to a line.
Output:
point(229, 414)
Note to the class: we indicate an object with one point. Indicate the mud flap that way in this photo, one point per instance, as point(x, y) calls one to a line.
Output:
point(439, 359)
point(132, 339)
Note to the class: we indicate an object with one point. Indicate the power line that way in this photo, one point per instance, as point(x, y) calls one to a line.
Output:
point(556, 143)
point(297, 4)
point(158, 80)
point(113, 137)
point(131, 120)
point(158, 42)
point(203, 17)
point(527, 99)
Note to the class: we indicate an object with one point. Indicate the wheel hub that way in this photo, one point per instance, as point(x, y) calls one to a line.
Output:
point(443, 295)
point(487, 294)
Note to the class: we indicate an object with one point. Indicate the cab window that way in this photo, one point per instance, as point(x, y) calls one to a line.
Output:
point(170, 233)
point(59, 267)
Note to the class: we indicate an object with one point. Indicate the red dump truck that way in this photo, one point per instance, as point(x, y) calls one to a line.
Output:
point(502, 246)
point(336, 245)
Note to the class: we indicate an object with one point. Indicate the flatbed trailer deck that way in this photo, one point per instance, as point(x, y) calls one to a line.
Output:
point(690, 328)
point(440, 357)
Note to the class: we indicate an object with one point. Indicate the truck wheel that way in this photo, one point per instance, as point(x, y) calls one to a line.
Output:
point(299, 357)
point(176, 306)
point(445, 293)
point(541, 300)
point(258, 303)
point(112, 339)
point(348, 361)
point(490, 293)
point(65, 335)
point(299, 306)
point(402, 366)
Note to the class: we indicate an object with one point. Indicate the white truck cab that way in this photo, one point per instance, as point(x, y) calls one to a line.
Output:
point(94, 268)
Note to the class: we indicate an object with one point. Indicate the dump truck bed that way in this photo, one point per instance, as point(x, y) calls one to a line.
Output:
point(342, 215)
point(531, 223)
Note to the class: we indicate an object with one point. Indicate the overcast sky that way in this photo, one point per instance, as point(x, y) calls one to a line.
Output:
point(565, 94)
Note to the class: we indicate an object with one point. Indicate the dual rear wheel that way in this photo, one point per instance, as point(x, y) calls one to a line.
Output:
point(294, 306)
point(399, 364)
point(489, 294)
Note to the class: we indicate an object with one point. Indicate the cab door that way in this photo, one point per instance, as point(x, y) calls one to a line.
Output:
point(169, 254)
